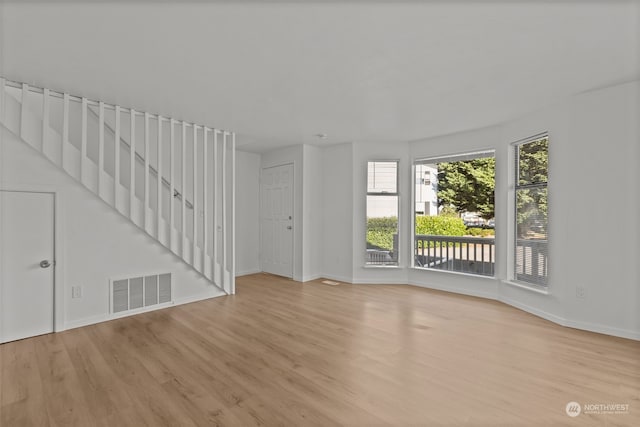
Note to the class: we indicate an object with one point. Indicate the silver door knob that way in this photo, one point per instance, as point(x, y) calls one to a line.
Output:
point(45, 263)
point(288, 227)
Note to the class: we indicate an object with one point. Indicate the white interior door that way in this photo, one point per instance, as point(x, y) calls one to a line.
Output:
point(26, 264)
point(277, 220)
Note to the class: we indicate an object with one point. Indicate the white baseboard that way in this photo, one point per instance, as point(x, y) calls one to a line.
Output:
point(376, 282)
point(585, 326)
point(107, 317)
point(601, 329)
point(247, 273)
point(199, 297)
point(455, 290)
point(532, 310)
point(335, 278)
point(575, 324)
point(85, 322)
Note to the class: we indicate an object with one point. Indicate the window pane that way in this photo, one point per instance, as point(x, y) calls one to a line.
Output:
point(531, 239)
point(531, 236)
point(531, 213)
point(382, 230)
point(532, 160)
point(454, 213)
point(382, 177)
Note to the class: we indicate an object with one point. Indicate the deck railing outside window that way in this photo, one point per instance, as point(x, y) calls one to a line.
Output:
point(474, 255)
point(531, 261)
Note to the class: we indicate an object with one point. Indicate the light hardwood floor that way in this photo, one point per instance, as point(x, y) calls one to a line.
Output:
point(285, 353)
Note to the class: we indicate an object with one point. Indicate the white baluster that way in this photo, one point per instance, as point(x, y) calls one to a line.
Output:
point(65, 130)
point(184, 190)
point(194, 202)
point(116, 156)
point(100, 146)
point(23, 110)
point(45, 120)
point(83, 145)
point(205, 202)
point(172, 187)
point(146, 173)
point(232, 277)
point(214, 252)
point(132, 166)
point(159, 194)
point(223, 263)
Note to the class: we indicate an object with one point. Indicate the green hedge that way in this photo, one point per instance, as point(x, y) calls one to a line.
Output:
point(380, 232)
point(480, 232)
point(440, 226)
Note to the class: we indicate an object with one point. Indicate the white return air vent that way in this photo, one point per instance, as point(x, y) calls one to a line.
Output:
point(140, 292)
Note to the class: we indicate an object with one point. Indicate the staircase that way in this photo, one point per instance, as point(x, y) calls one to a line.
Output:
point(173, 179)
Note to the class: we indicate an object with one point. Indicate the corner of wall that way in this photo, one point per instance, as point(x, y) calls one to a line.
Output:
point(335, 210)
point(247, 221)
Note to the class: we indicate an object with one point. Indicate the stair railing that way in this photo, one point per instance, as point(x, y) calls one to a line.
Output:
point(212, 205)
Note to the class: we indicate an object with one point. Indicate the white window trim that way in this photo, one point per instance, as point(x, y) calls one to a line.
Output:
point(382, 266)
point(527, 286)
point(511, 219)
point(462, 155)
point(396, 194)
point(458, 273)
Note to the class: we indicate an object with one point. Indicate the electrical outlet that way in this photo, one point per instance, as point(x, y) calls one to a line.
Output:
point(76, 292)
point(581, 292)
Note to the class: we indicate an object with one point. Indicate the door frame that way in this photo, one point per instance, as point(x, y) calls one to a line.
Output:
point(58, 247)
point(293, 213)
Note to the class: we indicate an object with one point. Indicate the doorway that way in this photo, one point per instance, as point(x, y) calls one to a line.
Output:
point(27, 263)
point(277, 220)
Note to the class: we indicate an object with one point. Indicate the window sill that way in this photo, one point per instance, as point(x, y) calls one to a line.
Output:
point(457, 273)
point(527, 287)
point(381, 266)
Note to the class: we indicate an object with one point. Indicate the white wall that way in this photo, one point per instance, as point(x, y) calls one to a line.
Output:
point(96, 242)
point(312, 196)
point(593, 211)
point(247, 213)
point(337, 212)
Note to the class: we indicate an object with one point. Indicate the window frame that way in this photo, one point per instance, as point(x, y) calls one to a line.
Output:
point(470, 154)
point(514, 177)
point(396, 194)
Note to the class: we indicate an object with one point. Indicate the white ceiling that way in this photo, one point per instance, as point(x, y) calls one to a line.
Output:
point(281, 72)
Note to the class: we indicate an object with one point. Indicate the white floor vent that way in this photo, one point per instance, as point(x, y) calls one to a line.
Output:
point(139, 292)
